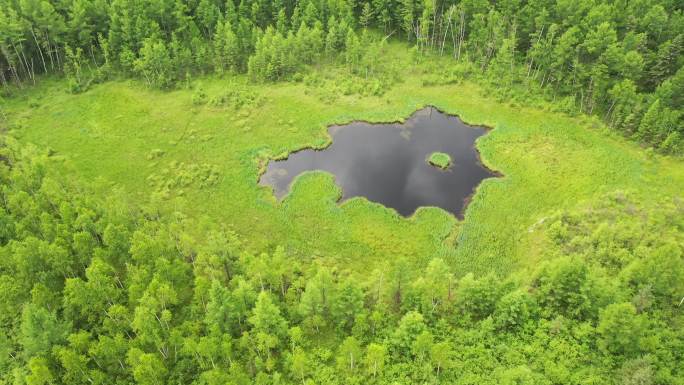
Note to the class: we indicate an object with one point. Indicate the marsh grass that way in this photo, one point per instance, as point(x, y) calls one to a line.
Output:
point(115, 131)
point(439, 160)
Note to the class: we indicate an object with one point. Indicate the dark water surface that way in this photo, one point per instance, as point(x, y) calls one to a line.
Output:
point(387, 163)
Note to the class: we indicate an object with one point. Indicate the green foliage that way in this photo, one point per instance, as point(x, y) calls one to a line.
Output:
point(237, 98)
point(227, 48)
point(605, 58)
point(199, 97)
point(134, 297)
point(349, 356)
point(278, 57)
point(620, 329)
point(179, 176)
point(514, 311)
point(155, 64)
point(376, 356)
point(410, 327)
point(564, 286)
point(476, 298)
point(78, 81)
point(40, 331)
point(330, 91)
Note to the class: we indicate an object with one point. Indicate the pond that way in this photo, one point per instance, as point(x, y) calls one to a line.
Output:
point(388, 163)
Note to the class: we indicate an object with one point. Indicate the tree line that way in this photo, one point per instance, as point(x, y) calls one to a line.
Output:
point(619, 59)
point(164, 41)
point(95, 292)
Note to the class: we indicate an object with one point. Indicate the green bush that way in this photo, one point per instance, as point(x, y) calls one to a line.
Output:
point(199, 97)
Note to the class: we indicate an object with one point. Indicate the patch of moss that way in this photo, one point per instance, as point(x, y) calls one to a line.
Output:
point(439, 159)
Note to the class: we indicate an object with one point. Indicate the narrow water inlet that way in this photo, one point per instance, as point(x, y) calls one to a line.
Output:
point(386, 163)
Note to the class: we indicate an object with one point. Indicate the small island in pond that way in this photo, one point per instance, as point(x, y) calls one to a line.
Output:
point(439, 159)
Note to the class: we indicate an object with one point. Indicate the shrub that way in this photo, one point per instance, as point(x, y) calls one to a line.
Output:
point(199, 97)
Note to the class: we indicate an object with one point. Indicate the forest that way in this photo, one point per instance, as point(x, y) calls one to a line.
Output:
point(136, 246)
point(96, 294)
point(620, 60)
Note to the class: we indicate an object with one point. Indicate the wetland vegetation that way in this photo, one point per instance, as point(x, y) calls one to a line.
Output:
point(138, 246)
point(439, 159)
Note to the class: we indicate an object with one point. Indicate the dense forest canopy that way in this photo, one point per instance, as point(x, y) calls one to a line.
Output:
point(618, 59)
point(96, 293)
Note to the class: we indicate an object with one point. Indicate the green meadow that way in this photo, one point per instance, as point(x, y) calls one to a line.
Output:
point(200, 149)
